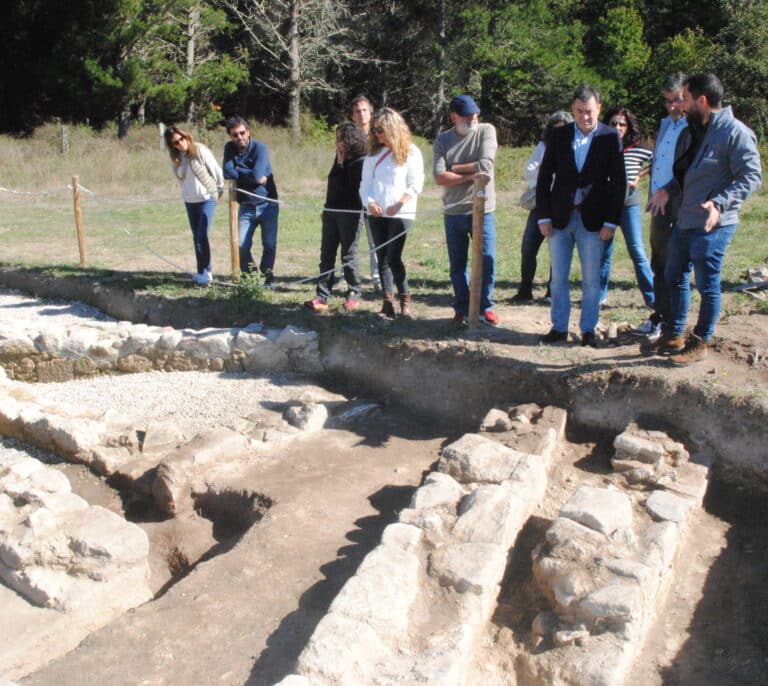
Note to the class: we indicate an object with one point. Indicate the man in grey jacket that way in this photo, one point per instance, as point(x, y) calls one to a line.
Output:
point(717, 167)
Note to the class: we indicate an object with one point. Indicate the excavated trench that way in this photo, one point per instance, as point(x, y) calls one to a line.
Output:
point(714, 631)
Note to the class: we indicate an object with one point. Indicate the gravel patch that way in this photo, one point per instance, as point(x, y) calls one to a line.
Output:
point(201, 398)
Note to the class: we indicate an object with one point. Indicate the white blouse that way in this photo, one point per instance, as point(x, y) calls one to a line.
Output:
point(385, 182)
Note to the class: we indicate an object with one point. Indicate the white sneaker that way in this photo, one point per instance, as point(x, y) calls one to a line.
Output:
point(203, 279)
point(651, 331)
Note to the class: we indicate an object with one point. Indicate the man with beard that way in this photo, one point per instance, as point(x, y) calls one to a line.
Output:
point(717, 167)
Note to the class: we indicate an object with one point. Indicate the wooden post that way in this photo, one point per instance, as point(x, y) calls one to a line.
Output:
point(79, 219)
point(476, 268)
point(234, 243)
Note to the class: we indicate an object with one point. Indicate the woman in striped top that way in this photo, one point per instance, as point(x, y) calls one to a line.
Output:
point(637, 159)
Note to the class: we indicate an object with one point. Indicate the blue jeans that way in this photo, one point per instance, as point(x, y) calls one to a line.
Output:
point(249, 216)
point(704, 253)
point(590, 247)
point(458, 234)
point(532, 240)
point(631, 223)
point(200, 215)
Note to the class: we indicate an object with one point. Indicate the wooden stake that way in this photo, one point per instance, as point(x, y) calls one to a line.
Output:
point(476, 268)
point(234, 243)
point(78, 219)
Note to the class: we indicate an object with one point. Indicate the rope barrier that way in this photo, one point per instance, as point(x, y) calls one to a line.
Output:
point(98, 198)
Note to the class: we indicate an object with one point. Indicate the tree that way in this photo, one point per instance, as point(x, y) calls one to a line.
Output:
point(295, 42)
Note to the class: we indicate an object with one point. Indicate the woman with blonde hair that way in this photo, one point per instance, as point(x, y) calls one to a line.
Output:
point(393, 175)
point(202, 183)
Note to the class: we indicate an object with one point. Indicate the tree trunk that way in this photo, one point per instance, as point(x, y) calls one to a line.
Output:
point(193, 28)
point(438, 114)
point(124, 120)
point(294, 105)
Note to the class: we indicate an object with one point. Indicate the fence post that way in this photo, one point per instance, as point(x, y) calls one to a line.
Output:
point(64, 141)
point(476, 273)
point(78, 219)
point(234, 243)
point(161, 133)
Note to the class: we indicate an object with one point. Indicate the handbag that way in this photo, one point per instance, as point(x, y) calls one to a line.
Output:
point(528, 199)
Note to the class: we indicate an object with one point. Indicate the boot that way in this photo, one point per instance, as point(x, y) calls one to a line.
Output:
point(405, 306)
point(387, 307)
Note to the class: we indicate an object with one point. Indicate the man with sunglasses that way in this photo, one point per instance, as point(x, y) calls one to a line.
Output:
point(662, 223)
point(247, 161)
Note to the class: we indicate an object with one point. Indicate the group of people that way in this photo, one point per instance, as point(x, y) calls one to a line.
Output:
point(202, 182)
point(704, 165)
point(583, 184)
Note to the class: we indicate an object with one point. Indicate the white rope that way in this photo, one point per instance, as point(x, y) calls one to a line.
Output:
point(13, 192)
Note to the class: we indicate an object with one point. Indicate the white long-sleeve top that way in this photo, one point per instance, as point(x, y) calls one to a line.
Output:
point(534, 162)
point(385, 182)
point(191, 188)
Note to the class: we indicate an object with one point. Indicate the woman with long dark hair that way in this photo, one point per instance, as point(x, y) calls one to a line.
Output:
point(202, 182)
point(637, 157)
point(393, 175)
point(341, 219)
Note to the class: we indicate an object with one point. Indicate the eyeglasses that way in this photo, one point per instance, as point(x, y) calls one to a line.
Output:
point(615, 123)
point(239, 134)
point(377, 130)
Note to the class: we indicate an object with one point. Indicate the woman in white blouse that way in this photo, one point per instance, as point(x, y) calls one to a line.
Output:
point(393, 175)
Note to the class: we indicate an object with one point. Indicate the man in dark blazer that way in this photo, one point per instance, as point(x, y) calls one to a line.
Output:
point(579, 198)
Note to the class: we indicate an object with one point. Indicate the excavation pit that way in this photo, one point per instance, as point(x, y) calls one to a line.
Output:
point(601, 398)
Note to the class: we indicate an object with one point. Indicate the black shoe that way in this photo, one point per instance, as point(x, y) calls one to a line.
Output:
point(554, 336)
point(522, 298)
point(589, 339)
point(269, 280)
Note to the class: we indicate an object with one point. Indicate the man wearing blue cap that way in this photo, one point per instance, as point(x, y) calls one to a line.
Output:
point(460, 154)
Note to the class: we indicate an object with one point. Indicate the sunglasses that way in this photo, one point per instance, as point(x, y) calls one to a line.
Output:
point(615, 123)
point(377, 130)
point(238, 134)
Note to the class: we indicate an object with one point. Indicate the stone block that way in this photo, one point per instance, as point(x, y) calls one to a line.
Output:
point(307, 417)
point(630, 446)
point(16, 346)
point(351, 412)
point(342, 651)
point(496, 420)
point(491, 514)
point(401, 536)
point(667, 506)
point(613, 606)
point(436, 523)
point(134, 364)
point(293, 338)
point(55, 371)
point(438, 490)
point(555, 418)
point(49, 342)
point(469, 567)
point(601, 509)
point(477, 459)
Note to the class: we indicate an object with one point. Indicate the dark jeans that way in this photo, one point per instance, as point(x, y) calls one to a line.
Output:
point(661, 232)
point(703, 253)
point(532, 240)
point(390, 257)
point(339, 229)
point(249, 217)
point(200, 215)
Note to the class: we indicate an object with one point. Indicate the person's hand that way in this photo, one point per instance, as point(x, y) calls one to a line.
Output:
point(374, 210)
point(392, 210)
point(658, 203)
point(606, 233)
point(713, 218)
point(632, 185)
point(546, 229)
point(482, 176)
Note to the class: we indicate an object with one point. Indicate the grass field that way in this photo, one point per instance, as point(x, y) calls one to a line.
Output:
point(135, 219)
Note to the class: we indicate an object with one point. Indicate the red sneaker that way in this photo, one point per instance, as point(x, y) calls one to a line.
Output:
point(316, 304)
point(350, 305)
point(490, 317)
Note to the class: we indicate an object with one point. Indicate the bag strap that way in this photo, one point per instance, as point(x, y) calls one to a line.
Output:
point(382, 158)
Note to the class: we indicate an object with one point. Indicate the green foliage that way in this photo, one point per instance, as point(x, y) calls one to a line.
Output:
point(316, 129)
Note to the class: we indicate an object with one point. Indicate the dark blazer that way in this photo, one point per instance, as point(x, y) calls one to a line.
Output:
point(603, 172)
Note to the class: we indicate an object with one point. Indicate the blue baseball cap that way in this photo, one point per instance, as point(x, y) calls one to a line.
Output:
point(464, 105)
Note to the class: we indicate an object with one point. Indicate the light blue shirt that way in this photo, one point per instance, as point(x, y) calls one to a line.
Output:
point(664, 152)
point(581, 143)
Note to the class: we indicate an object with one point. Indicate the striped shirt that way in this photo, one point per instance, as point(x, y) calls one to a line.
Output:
point(635, 158)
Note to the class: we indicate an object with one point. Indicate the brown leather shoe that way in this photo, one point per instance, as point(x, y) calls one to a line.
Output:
point(405, 306)
point(663, 346)
point(387, 307)
point(695, 350)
